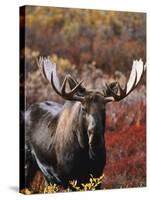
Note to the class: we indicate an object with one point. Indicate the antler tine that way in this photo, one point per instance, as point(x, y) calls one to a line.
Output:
point(54, 86)
point(73, 89)
point(135, 76)
point(48, 70)
point(67, 95)
point(47, 67)
point(72, 81)
point(137, 73)
point(40, 66)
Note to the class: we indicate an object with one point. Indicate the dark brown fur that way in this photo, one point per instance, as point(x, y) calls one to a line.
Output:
point(61, 141)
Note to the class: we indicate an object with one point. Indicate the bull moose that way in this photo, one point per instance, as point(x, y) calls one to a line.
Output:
point(66, 142)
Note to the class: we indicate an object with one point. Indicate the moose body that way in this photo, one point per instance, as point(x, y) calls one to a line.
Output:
point(66, 142)
point(57, 138)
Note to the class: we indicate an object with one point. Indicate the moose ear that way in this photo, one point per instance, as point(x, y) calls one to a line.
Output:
point(108, 91)
point(109, 99)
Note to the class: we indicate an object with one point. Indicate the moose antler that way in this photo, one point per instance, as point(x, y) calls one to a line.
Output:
point(48, 70)
point(114, 88)
point(113, 92)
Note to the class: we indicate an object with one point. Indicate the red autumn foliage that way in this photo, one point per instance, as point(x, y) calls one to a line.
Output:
point(126, 159)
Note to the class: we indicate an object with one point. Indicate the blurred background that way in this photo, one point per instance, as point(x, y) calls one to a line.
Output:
point(98, 47)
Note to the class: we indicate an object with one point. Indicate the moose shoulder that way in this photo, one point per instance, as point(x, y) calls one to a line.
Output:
point(66, 142)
